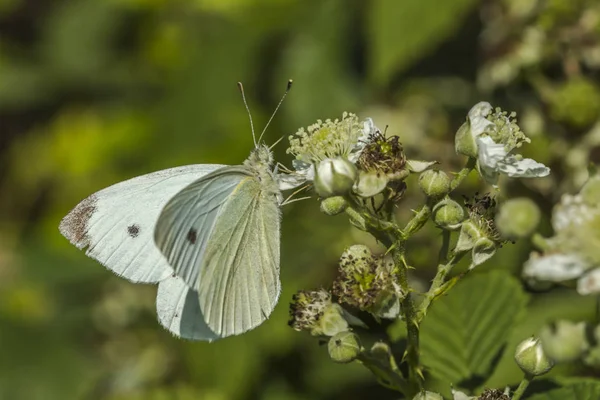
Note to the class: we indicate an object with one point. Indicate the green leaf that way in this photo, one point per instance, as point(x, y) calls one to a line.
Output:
point(401, 32)
point(464, 333)
point(588, 389)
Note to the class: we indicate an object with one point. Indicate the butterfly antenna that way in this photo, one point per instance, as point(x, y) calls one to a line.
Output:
point(241, 87)
point(275, 144)
point(287, 90)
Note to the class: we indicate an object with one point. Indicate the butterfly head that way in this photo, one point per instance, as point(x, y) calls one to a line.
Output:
point(260, 158)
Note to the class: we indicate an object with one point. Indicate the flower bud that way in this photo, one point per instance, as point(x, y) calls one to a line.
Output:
point(448, 214)
point(434, 183)
point(333, 205)
point(344, 347)
point(518, 218)
point(334, 177)
point(531, 358)
point(564, 341)
point(423, 395)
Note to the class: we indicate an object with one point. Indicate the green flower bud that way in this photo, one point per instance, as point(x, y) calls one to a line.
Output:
point(590, 192)
point(576, 102)
point(344, 347)
point(314, 312)
point(564, 341)
point(518, 218)
point(334, 177)
point(428, 396)
point(531, 358)
point(448, 214)
point(476, 124)
point(333, 205)
point(434, 183)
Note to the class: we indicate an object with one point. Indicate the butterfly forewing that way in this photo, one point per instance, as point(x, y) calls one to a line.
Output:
point(239, 279)
point(189, 219)
point(117, 224)
point(221, 235)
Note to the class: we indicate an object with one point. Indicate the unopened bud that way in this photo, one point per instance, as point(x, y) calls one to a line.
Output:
point(531, 358)
point(334, 177)
point(434, 183)
point(344, 347)
point(333, 205)
point(518, 218)
point(448, 214)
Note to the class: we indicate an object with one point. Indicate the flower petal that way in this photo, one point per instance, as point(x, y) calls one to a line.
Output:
point(490, 152)
point(477, 117)
point(555, 267)
point(522, 168)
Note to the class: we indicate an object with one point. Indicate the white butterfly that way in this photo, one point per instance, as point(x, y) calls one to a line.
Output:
point(207, 234)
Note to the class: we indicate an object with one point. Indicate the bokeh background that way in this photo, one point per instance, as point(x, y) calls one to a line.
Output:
point(96, 91)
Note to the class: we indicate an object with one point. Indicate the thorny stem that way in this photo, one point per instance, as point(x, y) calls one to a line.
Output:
point(416, 222)
point(522, 387)
point(412, 327)
point(438, 287)
point(462, 174)
point(387, 372)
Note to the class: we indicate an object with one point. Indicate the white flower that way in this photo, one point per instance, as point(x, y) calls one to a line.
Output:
point(491, 136)
point(494, 159)
point(337, 139)
point(334, 177)
point(555, 267)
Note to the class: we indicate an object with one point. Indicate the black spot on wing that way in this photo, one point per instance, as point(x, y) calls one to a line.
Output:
point(192, 236)
point(133, 230)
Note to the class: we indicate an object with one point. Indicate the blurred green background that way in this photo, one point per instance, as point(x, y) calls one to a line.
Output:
point(96, 91)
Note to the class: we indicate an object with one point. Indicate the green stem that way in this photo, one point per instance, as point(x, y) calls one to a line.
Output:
point(437, 285)
point(540, 242)
point(415, 374)
point(385, 370)
point(417, 221)
point(522, 387)
point(462, 174)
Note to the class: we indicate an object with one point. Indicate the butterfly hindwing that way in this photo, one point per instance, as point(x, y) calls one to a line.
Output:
point(179, 311)
point(117, 224)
